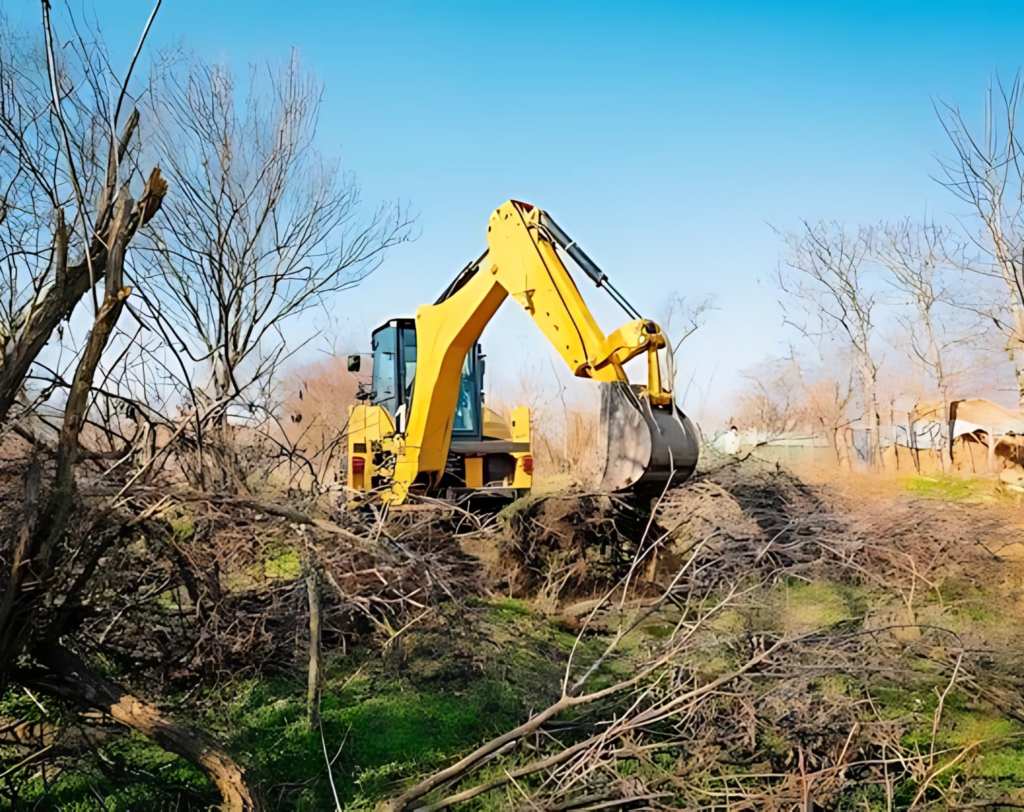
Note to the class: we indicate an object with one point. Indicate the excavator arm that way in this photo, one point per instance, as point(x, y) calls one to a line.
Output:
point(524, 261)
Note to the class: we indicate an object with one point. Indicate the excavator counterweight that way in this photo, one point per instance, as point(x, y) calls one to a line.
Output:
point(428, 378)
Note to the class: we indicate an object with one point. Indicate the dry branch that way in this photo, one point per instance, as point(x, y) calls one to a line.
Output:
point(315, 633)
point(70, 677)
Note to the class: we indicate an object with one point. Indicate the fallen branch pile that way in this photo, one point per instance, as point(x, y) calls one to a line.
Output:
point(746, 704)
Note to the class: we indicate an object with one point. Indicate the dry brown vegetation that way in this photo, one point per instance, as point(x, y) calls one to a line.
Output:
point(761, 643)
point(787, 628)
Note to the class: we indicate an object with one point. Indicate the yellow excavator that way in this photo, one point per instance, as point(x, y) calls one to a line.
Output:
point(422, 427)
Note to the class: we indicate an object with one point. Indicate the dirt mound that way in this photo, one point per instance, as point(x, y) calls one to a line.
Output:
point(565, 546)
point(741, 516)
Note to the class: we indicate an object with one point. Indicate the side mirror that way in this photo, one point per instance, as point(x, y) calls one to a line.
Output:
point(354, 362)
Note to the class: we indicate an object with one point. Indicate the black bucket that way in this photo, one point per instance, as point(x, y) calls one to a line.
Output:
point(640, 445)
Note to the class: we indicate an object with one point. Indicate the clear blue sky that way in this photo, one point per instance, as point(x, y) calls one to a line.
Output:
point(664, 136)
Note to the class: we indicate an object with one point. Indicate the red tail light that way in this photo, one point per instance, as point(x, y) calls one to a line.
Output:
point(358, 465)
point(528, 464)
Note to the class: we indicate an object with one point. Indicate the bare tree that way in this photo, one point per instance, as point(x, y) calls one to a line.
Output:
point(824, 278)
point(67, 164)
point(773, 403)
point(917, 256)
point(61, 167)
point(827, 405)
point(986, 172)
point(264, 228)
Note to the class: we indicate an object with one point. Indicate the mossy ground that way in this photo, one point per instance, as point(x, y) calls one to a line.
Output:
point(436, 693)
point(377, 730)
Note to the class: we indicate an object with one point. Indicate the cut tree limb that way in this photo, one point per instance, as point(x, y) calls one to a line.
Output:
point(313, 682)
point(70, 678)
point(103, 326)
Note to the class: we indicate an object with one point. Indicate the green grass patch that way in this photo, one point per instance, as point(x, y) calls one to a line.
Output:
point(508, 609)
point(386, 731)
point(947, 487)
point(158, 781)
point(1003, 765)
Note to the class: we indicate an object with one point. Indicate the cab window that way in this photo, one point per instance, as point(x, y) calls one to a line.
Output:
point(466, 416)
point(385, 367)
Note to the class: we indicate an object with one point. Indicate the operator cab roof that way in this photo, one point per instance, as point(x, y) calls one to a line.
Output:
point(408, 324)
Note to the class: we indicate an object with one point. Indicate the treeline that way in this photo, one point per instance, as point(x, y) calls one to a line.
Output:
point(925, 310)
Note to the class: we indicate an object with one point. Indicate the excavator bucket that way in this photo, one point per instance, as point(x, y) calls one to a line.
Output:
point(639, 445)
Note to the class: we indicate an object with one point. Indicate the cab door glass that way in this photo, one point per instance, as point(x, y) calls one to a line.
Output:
point(385, 367)
point(408, 363)
point(466, 409)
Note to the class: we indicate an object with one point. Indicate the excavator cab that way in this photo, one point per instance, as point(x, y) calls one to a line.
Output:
point(394, 373)
point(488, 455)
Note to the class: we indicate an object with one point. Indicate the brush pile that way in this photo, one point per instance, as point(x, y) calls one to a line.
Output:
point(771, 646)
point(754, 643)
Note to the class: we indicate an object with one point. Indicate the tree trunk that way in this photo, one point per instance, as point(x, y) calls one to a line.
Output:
point(842, 447)
point(70, 678)
point(313, 681)
point(218, 391)
point(867, 381)
point(1017, 350)
point(946, 435)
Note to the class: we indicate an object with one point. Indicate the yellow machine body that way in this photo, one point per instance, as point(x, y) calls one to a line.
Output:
point(371, 435)
point(524, 260)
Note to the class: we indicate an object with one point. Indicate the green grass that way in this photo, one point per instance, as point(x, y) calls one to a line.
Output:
point(947, 487)
point(1004, 765)
point(385, 731)
point(132, 774)
point(508, 608)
